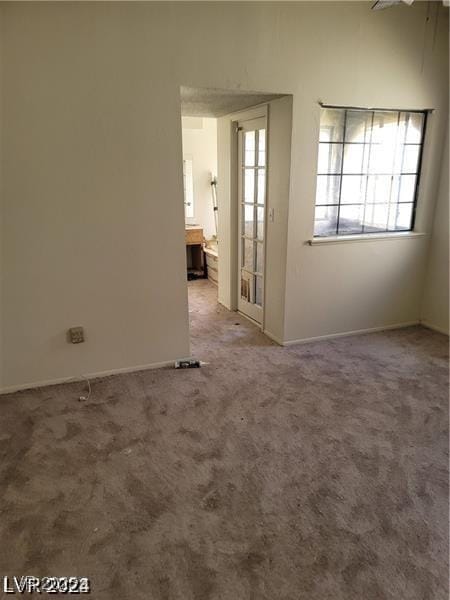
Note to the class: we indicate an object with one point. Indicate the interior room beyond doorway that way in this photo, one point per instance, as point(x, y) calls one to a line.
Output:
point(211, 123)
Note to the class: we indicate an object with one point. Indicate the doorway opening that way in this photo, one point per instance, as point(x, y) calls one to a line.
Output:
point(199, 138)
point(225, 164)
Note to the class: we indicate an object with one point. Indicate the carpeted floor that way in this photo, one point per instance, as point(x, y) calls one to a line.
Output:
point(315, 472)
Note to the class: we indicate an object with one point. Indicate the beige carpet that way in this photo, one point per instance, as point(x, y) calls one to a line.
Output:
point(316, 472)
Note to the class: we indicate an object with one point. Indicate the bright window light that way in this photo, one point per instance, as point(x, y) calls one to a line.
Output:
point(368, 171)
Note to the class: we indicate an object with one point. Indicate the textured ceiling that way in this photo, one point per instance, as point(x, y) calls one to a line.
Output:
point(208, 102)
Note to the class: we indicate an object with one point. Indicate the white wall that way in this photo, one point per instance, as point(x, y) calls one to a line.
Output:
point(278, 180)
point(91, 158)
point(93, 212)
point(227, 169)
point(435, 307)
point(356, 286)
point(200, 145)
point(1, 200)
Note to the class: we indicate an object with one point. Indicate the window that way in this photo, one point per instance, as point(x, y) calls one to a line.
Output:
point(188, 185)
point(368, 170)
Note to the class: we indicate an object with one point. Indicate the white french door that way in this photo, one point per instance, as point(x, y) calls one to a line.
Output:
point(252, 167)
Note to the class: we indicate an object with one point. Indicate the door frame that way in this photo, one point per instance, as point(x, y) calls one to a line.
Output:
point(259, 111)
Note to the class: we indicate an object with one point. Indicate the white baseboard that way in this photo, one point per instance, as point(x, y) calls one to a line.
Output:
point(258, 325)
point(167, 363)
point(224, 304)
point(350, 333)
point(98, 374)
point(434, 327)
point(273, 337)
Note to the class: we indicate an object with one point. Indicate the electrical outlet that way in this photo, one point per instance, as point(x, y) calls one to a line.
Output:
point(76, 335)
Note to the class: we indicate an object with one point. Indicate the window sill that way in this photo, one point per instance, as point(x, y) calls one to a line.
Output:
point(370, 237)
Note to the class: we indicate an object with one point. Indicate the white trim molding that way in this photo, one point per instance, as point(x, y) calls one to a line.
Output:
point(368, 237)
point(77, 378)
point(429, 325)
point(273, 337)
point(331, 336)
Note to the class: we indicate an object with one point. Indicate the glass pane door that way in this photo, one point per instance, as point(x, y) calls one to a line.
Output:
point(252, 202)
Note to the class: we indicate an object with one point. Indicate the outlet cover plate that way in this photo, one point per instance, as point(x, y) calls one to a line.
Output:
point(76, 335)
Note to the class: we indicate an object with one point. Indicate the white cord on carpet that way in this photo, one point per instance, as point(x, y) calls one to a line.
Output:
point(86, 398)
